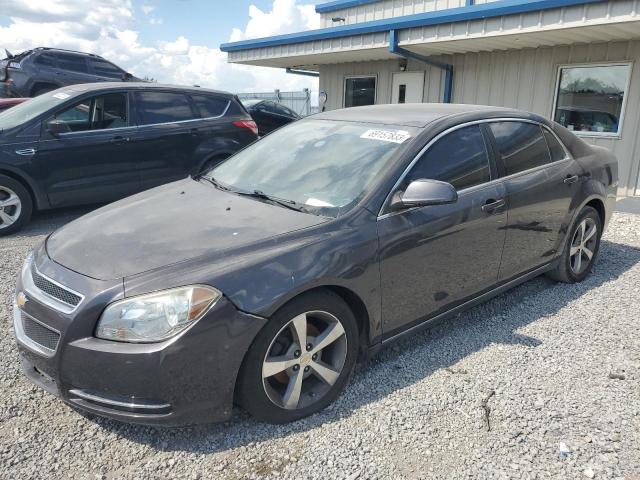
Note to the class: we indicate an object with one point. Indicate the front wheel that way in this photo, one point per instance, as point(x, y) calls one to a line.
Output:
point(302, 359)
point(581, 249)
point(15, 205)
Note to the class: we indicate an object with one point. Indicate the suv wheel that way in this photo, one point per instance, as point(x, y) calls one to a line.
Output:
point(301, 360)
point(43, 89)
point(15, 205)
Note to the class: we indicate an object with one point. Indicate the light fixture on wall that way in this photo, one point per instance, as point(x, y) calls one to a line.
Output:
point(403, 65)
point(338, 19)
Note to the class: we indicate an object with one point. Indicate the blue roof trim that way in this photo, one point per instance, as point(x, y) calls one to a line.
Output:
point(461, 14)
point(340, 4)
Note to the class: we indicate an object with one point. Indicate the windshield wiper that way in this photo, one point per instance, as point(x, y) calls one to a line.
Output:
point(214, 182)
point(290, 204)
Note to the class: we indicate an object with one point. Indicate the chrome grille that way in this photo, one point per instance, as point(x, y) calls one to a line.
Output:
point(53, 290)
point(40, 334)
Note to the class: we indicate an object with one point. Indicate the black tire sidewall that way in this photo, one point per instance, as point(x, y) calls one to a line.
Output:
point(251, 394)
point(584, 213)
point(25, 199)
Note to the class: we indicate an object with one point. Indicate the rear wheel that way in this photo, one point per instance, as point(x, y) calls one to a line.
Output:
point(15, 205)
point(581, 249)
point(301, 361)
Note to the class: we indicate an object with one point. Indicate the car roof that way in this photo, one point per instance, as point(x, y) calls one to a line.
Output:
point(106, 86)
point(417, 114)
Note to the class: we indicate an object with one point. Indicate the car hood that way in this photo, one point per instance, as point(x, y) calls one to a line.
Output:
point(166, 225)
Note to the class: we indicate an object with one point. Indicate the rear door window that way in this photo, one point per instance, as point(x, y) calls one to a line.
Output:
point(521, 146)
point(45, 60)
point(209, 105)
point(459, 158)
point(556, 150)
point(163, 107)
point(74, 63)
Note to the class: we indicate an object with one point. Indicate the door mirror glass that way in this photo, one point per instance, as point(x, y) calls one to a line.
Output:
point(424, 192)
point(57, 127)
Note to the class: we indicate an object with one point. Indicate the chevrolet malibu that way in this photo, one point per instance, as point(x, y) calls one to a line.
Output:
point(264, 280)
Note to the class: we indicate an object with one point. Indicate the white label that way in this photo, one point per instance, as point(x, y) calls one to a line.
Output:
point(61, 96)
point(397, 136)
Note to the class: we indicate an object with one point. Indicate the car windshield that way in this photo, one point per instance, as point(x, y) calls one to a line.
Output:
point(322, 166)
point(30, 109)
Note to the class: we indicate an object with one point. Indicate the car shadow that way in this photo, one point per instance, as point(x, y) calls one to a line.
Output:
point(494, 322)
point(44, 222)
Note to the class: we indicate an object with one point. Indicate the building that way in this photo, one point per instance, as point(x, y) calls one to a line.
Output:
point(576, 61)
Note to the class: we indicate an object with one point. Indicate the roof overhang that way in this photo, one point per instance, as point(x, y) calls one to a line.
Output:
point(500, 25)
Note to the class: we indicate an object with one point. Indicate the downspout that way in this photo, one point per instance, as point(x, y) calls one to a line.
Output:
point(306, 73)
point(403, 52)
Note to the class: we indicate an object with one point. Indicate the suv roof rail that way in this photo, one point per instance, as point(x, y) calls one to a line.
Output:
point(65, 50)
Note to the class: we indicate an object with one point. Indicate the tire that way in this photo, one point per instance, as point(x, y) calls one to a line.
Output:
point(272, 399)
point(570, 269)
point(16, 205)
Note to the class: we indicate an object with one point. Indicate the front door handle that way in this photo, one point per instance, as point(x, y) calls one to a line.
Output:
point(194, 132)
point(494, 206)
point(571, 179)
point(119, 139)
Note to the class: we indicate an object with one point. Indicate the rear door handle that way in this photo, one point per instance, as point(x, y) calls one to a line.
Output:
point(119, 139)
point(571, 179)
point(194, 131)
point(494, 206)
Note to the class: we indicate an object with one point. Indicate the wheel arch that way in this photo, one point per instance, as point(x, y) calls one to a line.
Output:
point(39, 85)
point(38, 201)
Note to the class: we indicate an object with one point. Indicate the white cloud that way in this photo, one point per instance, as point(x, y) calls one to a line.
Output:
point(108, 29)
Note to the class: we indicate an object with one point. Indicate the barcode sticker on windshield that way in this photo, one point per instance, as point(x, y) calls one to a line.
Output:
point(61, 96)
point(397, 136)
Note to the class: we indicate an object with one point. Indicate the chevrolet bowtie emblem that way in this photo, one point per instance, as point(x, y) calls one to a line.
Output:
point(21, 299)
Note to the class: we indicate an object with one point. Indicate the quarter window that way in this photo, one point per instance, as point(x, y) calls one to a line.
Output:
point(521, 146)
point(105, 69)
point(45, 59)
point(210, 106)
point(590, 99)
point(359, 91)
point(163, 107)
point(460, 158)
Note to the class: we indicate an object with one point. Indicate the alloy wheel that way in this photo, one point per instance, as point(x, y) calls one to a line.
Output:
point(583, 245)
point(304, 360)
point(10, 207)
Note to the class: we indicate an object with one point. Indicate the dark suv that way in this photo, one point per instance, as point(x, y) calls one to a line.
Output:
point(34, 72)
point(96, 143)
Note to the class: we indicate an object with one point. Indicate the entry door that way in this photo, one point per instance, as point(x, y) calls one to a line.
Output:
point(435, 257)
point(408, 87)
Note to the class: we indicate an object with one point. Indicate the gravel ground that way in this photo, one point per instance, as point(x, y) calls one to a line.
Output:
point(541, 382)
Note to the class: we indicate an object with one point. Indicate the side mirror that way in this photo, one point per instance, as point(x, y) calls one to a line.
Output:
point(56, 127)
point(423, 192)
point(126, 76)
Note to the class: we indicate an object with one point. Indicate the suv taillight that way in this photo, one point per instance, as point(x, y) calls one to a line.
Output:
point(250, 124)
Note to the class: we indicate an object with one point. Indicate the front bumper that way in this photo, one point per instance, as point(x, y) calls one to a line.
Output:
point(186, 380)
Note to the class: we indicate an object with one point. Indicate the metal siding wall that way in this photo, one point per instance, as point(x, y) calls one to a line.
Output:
point(524, 79)
point(387, 9)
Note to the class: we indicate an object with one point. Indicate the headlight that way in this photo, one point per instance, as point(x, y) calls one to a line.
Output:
point(26, 266)
point(156, 316)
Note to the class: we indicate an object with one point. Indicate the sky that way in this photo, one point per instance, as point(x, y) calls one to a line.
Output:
point(172, 41)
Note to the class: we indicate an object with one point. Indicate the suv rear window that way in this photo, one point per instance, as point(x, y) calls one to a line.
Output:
point(163, 107)
point(46, 59)
point(210, 106)
point(74, 63)
point(105, 69)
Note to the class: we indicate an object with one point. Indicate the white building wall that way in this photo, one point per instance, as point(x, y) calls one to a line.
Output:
point(389, 9)
point(524, 79)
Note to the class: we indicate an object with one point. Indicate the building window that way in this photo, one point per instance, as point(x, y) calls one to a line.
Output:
point(359, 91)
point(590, 98)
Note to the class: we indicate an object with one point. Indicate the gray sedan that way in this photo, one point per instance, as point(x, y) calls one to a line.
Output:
point(265, 279)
